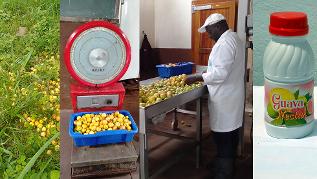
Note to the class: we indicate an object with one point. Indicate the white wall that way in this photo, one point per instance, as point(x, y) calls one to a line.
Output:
point(166, 22)
point(172, 23)
point(147, 21)
point(130, 25)
point(242, 13)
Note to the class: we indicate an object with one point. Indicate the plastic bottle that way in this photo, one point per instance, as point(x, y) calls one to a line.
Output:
point(288, 67)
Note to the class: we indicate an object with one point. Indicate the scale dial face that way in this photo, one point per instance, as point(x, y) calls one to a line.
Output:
point(97, 54)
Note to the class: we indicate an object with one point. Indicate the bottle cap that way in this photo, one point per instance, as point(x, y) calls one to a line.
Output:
point(288, 24)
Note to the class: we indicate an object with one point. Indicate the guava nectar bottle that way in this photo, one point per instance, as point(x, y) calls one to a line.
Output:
point(288, 67)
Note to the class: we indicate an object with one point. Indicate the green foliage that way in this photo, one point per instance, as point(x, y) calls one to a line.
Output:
point(296, 94)
point(29, 68)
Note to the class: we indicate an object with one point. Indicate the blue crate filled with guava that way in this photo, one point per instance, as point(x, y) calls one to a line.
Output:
point(174, 69)
point(102, 127)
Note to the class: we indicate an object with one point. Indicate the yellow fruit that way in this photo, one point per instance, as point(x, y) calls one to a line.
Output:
point(163, 89)
point(111, 124)
point(43, 134)
point(118, 124)
point(114, 120)
point(56, 147)
point(40, 125)
point(92, 123)
point(79, 123)
point(303, 98)
point(284, 93)
point(49, 152)
point(162, 95)
point(79, 128)
point(93, 128)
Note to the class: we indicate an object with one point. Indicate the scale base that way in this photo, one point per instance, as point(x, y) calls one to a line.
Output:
point(89, 99)
point(104, 160)
point(289, 132)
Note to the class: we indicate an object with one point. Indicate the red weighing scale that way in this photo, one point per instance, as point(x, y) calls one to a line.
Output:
point(97, 55)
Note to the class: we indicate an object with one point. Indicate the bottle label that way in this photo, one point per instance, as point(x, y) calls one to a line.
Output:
point(289, 105)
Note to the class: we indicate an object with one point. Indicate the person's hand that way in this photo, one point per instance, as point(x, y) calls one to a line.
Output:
point(190, 79)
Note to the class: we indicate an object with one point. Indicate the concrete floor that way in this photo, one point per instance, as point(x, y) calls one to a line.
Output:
point(163, 148)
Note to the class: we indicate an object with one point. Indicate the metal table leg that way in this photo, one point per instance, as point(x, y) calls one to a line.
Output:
point(198, 131)
point(174, 124)
point(144, 171)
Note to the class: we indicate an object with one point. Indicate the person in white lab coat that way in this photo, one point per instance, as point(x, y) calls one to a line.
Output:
point(225, 81)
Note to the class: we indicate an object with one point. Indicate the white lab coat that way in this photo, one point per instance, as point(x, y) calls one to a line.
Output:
point(225, 82)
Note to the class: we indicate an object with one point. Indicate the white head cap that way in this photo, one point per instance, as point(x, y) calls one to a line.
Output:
point(212, 19)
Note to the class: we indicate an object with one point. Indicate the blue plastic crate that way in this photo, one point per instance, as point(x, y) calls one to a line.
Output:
point(180, 68)
point(103, 137)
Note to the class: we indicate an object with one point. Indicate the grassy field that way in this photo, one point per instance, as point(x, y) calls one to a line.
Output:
point(29, 92)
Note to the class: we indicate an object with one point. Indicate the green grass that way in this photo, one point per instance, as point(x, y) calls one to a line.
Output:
point(29, 92)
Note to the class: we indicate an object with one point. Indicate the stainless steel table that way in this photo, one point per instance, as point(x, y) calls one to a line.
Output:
point(147, 113)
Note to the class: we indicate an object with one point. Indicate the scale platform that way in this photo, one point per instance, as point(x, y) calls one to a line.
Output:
point(106, 160)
